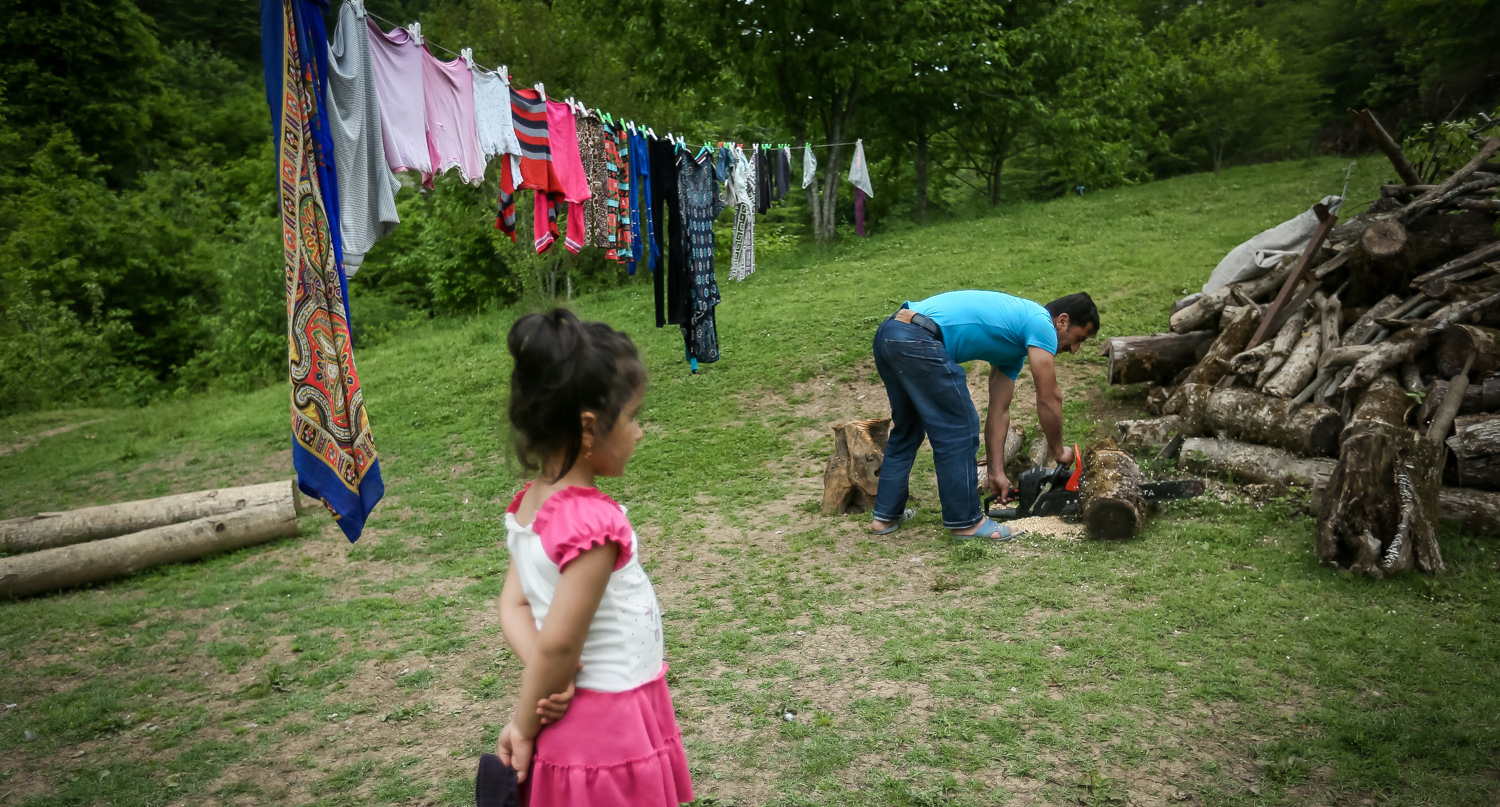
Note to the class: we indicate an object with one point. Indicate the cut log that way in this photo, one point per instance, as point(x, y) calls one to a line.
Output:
point(1237, 327)
point(106, 558)
point(1479, 254)
point(1364, 328)
point(1379, 514)
point(1138, 434)
point(47, 530)
point(1430, 403)
point(1383, 401)
point(1251, 463)
point(1459, 342)
point(1185, 302)
point(1205, 309)
point(1411, 378)
point(1482, 397)
point(1391, 255)
point(1476, 447)
point(1113, 506)
point(1308, 430)
point(1040, 453)
point(1387, 145)
point(1443, 288)
point(1281, 347)
point(1249, 362)
point(1345, 356)
point(1015, 443)
point(852, 475)
point(1157, 358)
point(1401, 347)
point(1300, 366)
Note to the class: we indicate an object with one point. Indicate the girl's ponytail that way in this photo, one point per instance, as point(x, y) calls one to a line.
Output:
point(563, 368)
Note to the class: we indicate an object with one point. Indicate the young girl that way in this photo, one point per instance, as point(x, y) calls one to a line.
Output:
point(577, 605)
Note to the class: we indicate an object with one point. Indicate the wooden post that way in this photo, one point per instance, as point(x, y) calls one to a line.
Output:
point(47, 530)
point(68, 566)
point(1112, 503)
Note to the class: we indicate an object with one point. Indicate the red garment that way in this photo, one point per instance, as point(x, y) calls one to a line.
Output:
point(529, 112)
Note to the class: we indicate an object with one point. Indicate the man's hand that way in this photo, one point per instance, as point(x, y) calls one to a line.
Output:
point(515, 750)
point(1066, 456)
point(999, 483)
point(553, 707)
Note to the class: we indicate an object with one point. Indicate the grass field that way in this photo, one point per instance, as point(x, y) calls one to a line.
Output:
point(1209, 661)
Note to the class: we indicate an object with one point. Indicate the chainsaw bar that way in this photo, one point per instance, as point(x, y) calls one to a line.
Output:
point(1060, 502)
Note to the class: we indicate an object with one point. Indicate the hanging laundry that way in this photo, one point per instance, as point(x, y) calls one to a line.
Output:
point(783, 173)
point(403, 112)
point(529, 115)
point(739, 190)
point(591, 148)
point(568, 163)
point(333, 450)
point(701, 200)
point(761, 159)
point(452, 137)
point(666, 250)
point(493, 120)
point(617, 152)
point(640, 199)
point(859, 177)
point(809, 165)
point(367, 188)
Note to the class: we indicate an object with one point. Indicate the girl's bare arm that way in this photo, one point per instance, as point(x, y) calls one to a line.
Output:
point(517, 623)
point(554, 659)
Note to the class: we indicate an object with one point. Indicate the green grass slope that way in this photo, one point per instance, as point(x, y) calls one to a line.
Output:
point(1209, 659)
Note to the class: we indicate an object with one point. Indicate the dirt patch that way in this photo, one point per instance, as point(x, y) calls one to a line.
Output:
point(27, 441)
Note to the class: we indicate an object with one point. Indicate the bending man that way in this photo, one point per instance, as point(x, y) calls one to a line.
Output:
point(918, 351)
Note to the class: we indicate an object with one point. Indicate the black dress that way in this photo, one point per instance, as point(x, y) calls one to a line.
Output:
point(701, 200)
point(669, 237)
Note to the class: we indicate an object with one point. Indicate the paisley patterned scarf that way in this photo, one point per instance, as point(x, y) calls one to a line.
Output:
point(333, 451)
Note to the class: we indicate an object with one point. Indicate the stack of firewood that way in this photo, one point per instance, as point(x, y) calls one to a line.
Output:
point(1364, 369)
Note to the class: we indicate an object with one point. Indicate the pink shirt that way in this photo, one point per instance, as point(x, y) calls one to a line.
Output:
point(397, 59)
point(566, 160)
point(452, 136)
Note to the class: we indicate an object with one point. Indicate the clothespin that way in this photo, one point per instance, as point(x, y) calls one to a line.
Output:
point(415, 29)
point(359, 8)
point(467, 54)
point(504, 73)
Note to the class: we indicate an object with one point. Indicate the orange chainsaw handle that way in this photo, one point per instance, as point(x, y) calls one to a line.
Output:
point(1077, 470)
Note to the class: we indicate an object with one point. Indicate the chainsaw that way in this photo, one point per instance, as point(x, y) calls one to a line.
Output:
point(1054, 492)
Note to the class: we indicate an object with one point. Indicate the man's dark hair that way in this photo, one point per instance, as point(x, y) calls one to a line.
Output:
point(1080, 309)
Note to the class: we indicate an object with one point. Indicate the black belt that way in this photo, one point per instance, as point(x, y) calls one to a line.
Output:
point(921, 321)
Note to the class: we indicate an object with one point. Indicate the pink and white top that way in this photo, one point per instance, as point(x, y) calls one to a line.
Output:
point(624, 647)
point(397, 59)
point(452, 136)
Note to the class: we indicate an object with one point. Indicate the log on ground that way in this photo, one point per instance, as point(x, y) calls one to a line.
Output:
point(852, 475)
point(1248, 462)
point(80, 564)
point(1379, 514)
point(1137, 434)
point(47, 530)
point(1307, 430)
point(1477, 511)
point(1113, 506)
point(1157, 358)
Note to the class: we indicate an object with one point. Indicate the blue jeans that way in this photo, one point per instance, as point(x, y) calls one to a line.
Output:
point(929, 396)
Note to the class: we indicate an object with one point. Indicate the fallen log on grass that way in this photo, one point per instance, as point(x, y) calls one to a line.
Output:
point(1477, 511)
point(1112, 504)
point(1308, 430)
point(1248, 462)
point(852, 474)
point(1157, 358)
point(46, 530)
point(1138, 434)
point(80, 564)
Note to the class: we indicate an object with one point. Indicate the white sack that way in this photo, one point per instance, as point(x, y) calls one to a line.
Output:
point(1260, 254)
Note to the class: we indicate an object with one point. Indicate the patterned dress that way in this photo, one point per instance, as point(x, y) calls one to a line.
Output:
point(591, 146)
point(620, 183)
point(616, 248)
point(700, 195)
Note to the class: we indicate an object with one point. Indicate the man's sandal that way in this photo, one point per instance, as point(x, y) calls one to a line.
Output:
point(989, 530)
point(906, 515)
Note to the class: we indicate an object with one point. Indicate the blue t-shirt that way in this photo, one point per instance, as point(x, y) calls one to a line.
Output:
point(990, 326)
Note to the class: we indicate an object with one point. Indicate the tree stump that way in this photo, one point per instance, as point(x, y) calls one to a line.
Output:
point(1384, 401)
point(1157, 358)
point(852, 475)
point(1380, 512)
point(1112, 503)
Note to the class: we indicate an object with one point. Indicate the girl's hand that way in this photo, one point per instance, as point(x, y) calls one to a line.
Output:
point(515, 750)
point(553, 707)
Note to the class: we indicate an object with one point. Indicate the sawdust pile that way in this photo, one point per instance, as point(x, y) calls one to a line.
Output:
point(1049, 526)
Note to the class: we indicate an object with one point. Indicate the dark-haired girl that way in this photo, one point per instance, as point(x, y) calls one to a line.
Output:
point(576, 600)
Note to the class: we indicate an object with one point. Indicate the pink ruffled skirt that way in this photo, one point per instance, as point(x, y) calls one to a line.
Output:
point(612, 748)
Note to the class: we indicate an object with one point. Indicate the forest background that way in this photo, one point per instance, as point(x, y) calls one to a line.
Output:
point(139, 253)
